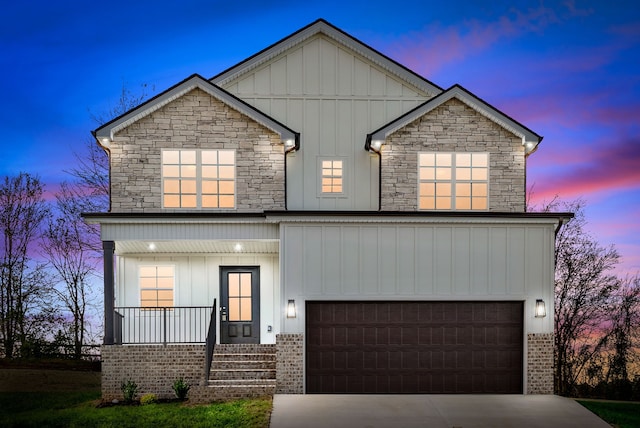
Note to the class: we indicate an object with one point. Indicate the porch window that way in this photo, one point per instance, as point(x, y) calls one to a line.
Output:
point(453, 181)
point(332, 176)
point(198, 178)
point(157, 286)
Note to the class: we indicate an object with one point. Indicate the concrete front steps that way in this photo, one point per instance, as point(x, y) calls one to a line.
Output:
point(243, 371)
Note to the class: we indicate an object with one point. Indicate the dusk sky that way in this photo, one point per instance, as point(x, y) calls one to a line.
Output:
point(569, 70)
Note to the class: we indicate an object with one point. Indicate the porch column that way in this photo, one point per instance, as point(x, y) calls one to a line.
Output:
point(108, 248)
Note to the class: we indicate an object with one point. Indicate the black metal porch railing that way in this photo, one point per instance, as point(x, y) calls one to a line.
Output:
point(178, 324)
point(211, 341)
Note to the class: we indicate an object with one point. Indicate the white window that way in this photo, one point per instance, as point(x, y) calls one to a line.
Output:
point(332, 176)
point(198, 178)
point(156, 286)
point(453, 181)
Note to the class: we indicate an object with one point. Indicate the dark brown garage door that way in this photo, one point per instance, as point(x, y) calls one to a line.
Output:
point(414, 347)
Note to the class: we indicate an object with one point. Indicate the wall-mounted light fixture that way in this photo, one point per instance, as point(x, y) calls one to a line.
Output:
point(289, 145)
point(291, 309)
point(541, 310)
point(376, 145)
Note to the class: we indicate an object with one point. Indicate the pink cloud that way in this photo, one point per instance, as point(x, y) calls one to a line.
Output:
point(620, 226)
point(605, 168)
point(434, 47)
point(50, 191)
point(630, 263)
point(573, 111)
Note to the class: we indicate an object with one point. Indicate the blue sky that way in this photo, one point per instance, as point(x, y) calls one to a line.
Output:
point(569, 70)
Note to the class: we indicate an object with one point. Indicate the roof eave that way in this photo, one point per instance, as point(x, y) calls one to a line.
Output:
point(105, 134)
point(530, 139)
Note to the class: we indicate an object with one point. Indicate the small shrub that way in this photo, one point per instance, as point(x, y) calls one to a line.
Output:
point(129, 390)
point(148, 399)
point(181, 388)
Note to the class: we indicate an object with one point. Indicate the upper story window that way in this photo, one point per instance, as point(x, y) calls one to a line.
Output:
point(198, 178)
point(453, 181)
point(156, 286)
point(332, 176)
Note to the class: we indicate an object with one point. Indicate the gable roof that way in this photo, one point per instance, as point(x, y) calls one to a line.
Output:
point(530, 139)
point(321, 26)
point(105, 133)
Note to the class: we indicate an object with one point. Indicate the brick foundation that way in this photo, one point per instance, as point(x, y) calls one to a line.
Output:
point(540, 363)
point(153, 368)
point(289, 364)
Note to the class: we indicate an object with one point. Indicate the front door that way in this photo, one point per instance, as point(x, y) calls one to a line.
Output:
point(240, 304)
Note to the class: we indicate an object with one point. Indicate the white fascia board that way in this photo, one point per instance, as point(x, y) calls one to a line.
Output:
point(105, 134)
point(319, 219)
point(146, 219)
point(530, 139)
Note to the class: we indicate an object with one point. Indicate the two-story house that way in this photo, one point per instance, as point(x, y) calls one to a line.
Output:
point(358, 226)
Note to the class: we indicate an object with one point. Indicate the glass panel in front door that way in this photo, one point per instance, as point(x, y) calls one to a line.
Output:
point(239, 296)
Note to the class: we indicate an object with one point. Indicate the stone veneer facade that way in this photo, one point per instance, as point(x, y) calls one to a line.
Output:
point(196, 120)
point(453, 127)
point(540, 363)
point(290, 363)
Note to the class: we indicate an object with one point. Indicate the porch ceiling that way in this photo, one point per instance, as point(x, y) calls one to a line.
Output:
point(195, 246)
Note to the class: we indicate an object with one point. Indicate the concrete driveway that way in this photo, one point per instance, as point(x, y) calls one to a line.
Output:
point(434, 411)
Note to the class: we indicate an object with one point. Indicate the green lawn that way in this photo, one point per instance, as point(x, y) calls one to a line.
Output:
point(618, 414)
point(79, 409)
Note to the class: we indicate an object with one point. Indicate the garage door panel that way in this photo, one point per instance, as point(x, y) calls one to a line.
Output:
point(368, 336)
point(437, 335)
point(414, 347)
point(382, 335)
point(464, 314)
point(409, 336)
point(463, 335)
point(449, 335)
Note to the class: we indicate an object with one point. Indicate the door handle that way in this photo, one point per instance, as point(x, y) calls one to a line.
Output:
point(223, 313)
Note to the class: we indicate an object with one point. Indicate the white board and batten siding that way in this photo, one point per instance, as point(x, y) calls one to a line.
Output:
point(334, 97)
point(419, 262)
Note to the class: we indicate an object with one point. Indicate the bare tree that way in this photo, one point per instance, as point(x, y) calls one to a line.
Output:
point(73, 246)
point(89, 183)
point(22, 212)
point(74, 260)
point(625, 323)
point(584, 286)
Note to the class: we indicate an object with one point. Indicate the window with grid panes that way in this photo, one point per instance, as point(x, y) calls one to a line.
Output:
point(453, 181)
point(156, 286)
point(332, 176)
point(198, 178)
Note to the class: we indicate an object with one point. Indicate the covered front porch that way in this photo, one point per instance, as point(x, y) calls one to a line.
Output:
point(194, 296)
point(165, 292)
point(162, 273)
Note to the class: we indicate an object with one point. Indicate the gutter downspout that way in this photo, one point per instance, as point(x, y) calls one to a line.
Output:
point(561, 222)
